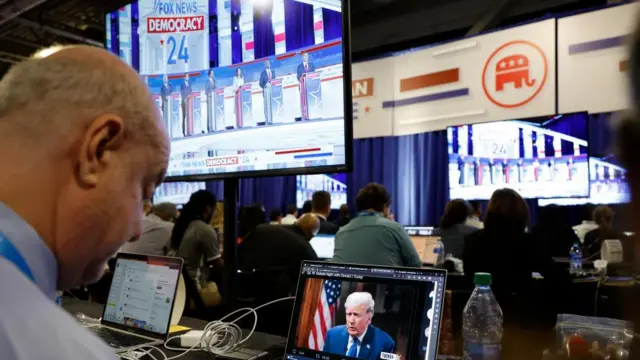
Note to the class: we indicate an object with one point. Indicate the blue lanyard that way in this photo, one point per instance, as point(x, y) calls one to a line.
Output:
point(9, 252)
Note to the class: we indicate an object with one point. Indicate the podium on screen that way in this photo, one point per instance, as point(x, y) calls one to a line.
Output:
point(243, 105)
point(311, 95)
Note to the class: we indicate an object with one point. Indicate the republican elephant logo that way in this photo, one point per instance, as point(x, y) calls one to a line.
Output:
point(513, 69)
point(515, 74)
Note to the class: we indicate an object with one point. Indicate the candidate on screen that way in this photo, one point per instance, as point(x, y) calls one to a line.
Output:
point(273, 102)
point(539, 158)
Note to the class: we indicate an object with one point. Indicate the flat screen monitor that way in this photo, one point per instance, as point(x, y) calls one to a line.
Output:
point(275, 100)
point(540, 158)
point(400, 321)
point(335, 184)
point(177, 192)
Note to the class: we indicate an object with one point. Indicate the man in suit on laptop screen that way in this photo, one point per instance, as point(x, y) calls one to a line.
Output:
point(358, 338)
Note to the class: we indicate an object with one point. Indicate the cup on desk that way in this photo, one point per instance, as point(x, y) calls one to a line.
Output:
point(601, 267)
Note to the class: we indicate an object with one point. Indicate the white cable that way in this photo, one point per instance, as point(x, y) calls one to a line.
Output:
point(221, 337)
point(130, 353)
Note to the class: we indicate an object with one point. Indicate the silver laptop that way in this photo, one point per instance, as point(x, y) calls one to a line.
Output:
point(140, 302)
point(396, 312)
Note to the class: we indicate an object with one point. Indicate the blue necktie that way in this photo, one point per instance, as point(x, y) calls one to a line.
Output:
point(353, 350)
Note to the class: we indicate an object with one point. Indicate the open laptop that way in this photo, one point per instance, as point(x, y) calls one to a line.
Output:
point(140, 302)
point(405, 322)
point(323, 245)
point(424, 241)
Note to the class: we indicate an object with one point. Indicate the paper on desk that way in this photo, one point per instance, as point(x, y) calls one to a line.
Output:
point(178, 328)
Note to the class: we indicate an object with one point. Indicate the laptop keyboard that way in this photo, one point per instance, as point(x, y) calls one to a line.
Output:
point(117, 339)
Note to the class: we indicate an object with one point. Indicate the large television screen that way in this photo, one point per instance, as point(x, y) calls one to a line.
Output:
point(335, 184)
point(262, 91)
point(539, 158)
point(607, 178)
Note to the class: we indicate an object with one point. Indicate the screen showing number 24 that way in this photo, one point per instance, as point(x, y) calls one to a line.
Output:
point(176, 52)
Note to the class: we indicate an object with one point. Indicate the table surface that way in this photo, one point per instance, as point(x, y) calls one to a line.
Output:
point(258, 341)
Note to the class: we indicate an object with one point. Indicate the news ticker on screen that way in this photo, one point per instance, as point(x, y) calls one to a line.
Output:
point(192, 163)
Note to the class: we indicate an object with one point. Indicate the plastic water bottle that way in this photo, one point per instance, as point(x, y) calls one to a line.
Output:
point(482, 322)
point(575, 259)
point(438, 251)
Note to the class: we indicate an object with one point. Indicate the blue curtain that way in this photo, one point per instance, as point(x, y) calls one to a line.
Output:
point(264, 41)
point(217, 188)
point(135, 37)
point(213, 33)
point(600, 135)
point(115, 30)
point(332, 21)
point(298, 25)
point(236, 35)
point(272, 192)
point(414, 170)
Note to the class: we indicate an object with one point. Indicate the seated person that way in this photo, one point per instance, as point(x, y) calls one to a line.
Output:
point(292, 215)
point(321, 207)
point(278, 252)
point(194, 240)
point(503, 248)
point(249, 218)
point(453, 227)
point(275, 217)
point(473, 219)
point(371, 238)
point(345, 215)
point(358, 338)
point(603, 216)
point(156, 231)
point(553, 231)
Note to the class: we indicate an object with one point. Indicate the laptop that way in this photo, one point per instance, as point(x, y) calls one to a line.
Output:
point(140, 301)
point(424, 241)
point(333, 302)
point(323, 245)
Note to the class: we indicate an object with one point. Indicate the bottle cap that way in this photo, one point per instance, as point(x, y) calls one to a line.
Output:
point(483, 279)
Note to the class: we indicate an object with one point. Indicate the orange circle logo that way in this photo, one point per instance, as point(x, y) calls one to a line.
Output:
point(515, 74)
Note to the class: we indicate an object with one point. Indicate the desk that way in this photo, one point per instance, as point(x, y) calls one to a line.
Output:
point(259, 341)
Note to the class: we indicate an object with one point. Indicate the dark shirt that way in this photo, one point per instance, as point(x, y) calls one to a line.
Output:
point(185, 91)
point(276, 252)
point(453, 238)
point(165, 90)
point(327, 227)
point(509, 255)
point(343, 220)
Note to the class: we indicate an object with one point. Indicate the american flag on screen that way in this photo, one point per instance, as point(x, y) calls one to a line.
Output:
point(325, 313)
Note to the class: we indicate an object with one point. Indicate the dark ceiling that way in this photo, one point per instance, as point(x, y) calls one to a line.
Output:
point(378, 26)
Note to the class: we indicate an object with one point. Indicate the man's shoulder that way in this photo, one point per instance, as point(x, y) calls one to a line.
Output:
point(337, 330)
point(34, 327)
point(381, 335)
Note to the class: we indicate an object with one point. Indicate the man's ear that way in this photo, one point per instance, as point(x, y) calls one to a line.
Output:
point(103, 136)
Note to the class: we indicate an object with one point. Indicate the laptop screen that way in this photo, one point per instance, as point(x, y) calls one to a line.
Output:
point(394, 313)
point(142, 292)
point(323, 245)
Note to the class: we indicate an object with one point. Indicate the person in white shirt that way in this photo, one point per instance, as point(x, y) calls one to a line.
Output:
point(584, 228)
point(292, 215)
point(275, 217)
point(473, 219)
point(156, 231)
point(78, 159)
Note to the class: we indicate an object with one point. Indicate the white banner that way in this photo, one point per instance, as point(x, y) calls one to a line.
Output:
point(592, 55)
point(372, 85)
point(174, 36)
point(508, 74)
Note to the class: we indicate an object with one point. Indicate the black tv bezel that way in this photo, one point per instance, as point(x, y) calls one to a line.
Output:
point(530, 119)
point(348, 121)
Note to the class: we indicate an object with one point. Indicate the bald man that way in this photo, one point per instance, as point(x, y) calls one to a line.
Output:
point(281, 247)
point(82, 148)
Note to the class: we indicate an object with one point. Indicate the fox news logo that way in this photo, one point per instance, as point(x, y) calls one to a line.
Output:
point(175, 7)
